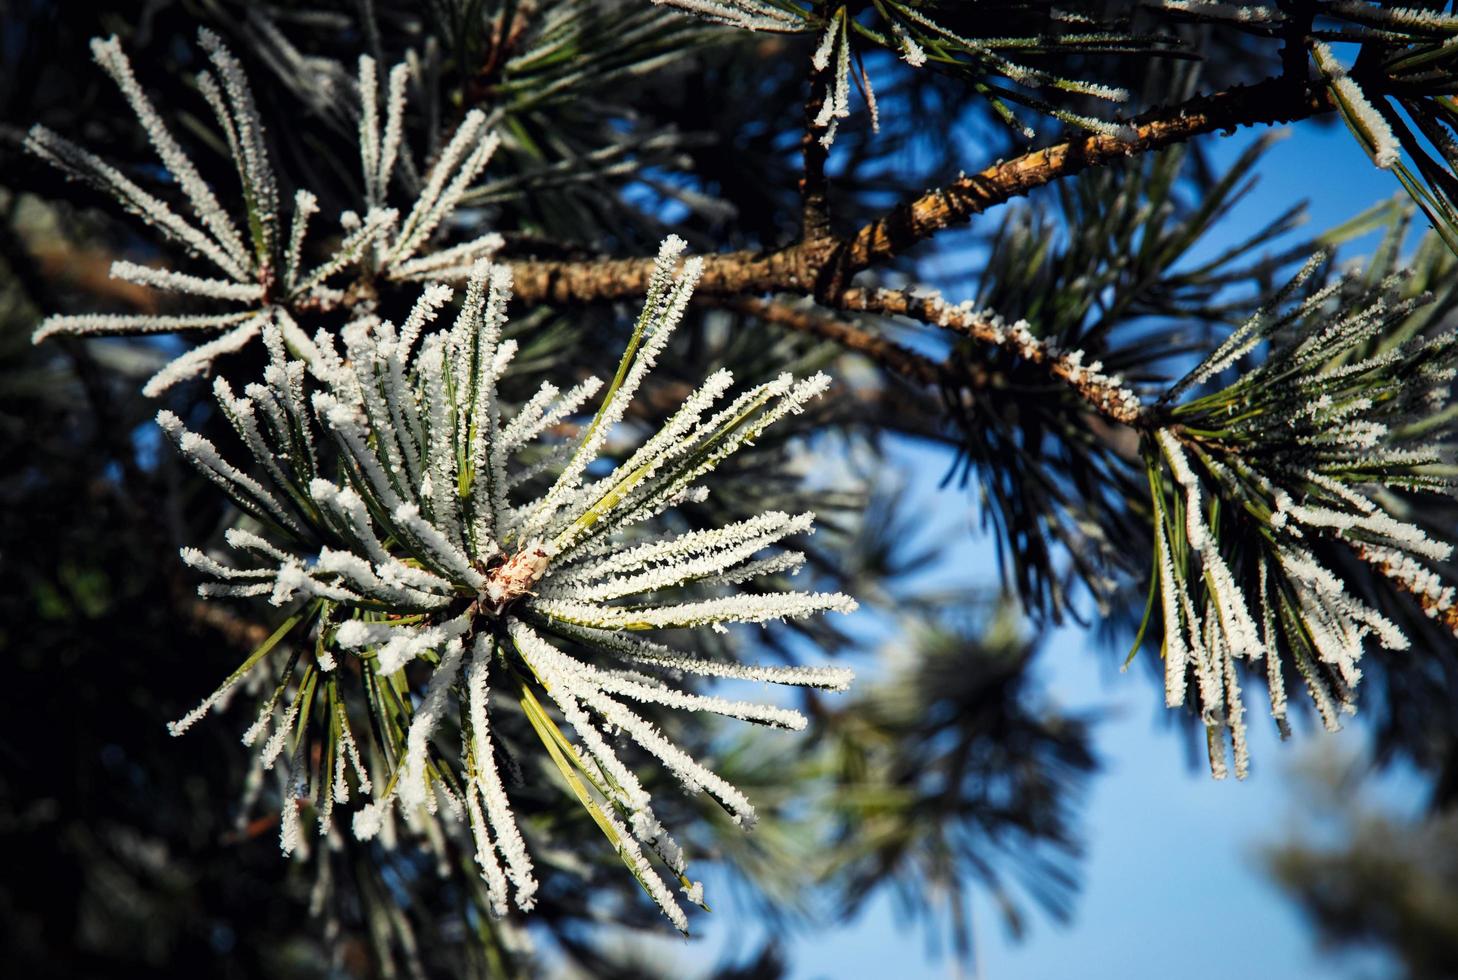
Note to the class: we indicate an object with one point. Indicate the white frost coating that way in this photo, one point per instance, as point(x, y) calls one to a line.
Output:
point(204, 455)
point(519, 432)
point(666, 301)
point(561, 677)
point(205, 206)
point(1311, 450)
point(178, 282)
point(425, 543)
point(175, 728)
point(1239, 12)
point(357, 573)
point(453, 263)
point(243, 539)
point(306, 205)
point(821, 58)
point(496, 886)
point(668, 442)
point(751, 15)
point(1238, 626)
point(290, 833)
point(414, 783)
point(1257, 328)
point(673, 552)
point(89, 324)
point(1175, 652)
point(274, 747)
point(764, 714)
point(200, 359)
point(486, 781)
point(459, 163)
point(577, 678)
point(1408, 17)
point(786, 562)
point(405, 643)
point(1235, 719)
point(1379, 523)
point(911, 52)
point(67, 156)
point(347, 757)
point(1360, 113)
point(743, 608)
point(194, 558)
point(839, 98)
point(251, 151)
point(665, 576)
point(434, 543)
point(369, 127)
point(262, 268)
point(520, 428)
point(648, 653)
point(394, 126)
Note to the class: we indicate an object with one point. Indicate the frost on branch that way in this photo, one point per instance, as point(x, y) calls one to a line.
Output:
point(257, 264)
point(417, 551)
point(1268, 494)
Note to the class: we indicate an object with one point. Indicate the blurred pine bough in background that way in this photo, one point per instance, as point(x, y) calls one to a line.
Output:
point(1274, 495)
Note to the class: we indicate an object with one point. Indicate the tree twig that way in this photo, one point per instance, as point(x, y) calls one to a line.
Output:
point(1105, 395)
point(907, 363)
point(803, 268)
point(1271, 101)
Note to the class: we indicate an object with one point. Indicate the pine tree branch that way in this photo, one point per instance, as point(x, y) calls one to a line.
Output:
point(803, 268)
point(809, 267)
point(903, 361)
point(607, 280)
point(1271, 101)
point(1104, 395)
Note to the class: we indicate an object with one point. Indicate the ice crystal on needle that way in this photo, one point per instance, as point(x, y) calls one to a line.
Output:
point(1361, 115)
point(263, 273)
point(1260, 486)
point(399, 487)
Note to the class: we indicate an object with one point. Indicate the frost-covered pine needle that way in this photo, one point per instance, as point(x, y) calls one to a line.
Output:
point(416, 554)
point(266, 274)
point(751, 15)
point(1273, 477)
point(1361, 115)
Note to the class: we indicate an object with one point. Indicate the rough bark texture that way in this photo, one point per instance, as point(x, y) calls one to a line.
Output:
point(1272, 101)
point(823, 265)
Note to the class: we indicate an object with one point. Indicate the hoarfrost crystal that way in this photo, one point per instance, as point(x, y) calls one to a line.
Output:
point(1274, 475)
point(424, 550)
point(266, 274)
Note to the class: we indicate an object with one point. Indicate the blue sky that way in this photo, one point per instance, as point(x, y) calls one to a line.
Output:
point(1172, 881)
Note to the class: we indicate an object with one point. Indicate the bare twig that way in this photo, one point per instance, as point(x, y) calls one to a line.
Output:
point(892, 356)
